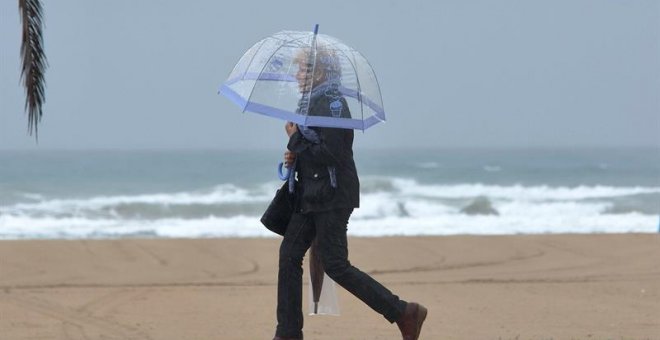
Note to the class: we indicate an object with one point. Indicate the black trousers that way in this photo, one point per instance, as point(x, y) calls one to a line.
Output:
point(330, 228)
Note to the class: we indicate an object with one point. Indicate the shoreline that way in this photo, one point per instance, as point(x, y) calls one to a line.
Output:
point(272, 236)
point(532, 286)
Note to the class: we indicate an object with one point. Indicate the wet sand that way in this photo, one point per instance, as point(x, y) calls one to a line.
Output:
point(475, 287)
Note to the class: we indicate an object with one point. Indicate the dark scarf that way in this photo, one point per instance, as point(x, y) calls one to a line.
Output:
point(308, 133)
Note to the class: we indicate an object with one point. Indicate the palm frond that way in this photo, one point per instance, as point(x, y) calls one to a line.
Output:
point(33, 61)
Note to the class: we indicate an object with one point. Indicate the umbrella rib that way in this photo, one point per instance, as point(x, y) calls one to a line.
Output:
point(248, 68)
point(313, 46)
point(290, 40)
point(357, 79)
point(382, 107)
point(254, 55)
point(262, 69)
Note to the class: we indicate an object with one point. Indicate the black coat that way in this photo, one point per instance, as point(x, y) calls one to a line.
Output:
point(313, 190)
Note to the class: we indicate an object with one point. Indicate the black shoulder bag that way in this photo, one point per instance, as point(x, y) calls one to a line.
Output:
point(279, 211)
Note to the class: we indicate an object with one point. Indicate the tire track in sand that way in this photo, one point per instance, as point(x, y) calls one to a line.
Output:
point(81, 320)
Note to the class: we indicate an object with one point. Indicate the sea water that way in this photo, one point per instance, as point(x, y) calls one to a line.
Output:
point(108, 194)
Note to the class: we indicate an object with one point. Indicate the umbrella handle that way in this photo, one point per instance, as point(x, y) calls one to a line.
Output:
point(282, 175)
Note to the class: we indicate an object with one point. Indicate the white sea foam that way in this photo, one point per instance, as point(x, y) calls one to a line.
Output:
point(32, 196)
point(222, 194)
point(249, 226)
point(541, 192)
point(452, 224)
point(236, 226)
point(390, 206)
point(428, 165)
point(492, 168)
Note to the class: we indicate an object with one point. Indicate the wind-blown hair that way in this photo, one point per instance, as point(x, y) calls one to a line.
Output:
point(326, 65)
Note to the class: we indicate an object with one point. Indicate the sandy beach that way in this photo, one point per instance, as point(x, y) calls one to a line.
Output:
point(599, 286)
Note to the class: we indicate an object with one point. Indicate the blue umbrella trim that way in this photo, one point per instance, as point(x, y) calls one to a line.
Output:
point(298, 118)
point(285, 77)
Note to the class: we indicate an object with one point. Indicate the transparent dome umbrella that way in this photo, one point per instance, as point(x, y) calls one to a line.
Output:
point(282, 73)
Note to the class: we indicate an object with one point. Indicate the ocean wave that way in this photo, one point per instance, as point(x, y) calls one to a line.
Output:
point(13, 227)
point(492, 168)
point(31, 196)
point(645, 204)
point(498, 225)
point(388, 206)
point(373, 184)
point(221, 194)
point(428, 165)
point(391, 187)
point(249, 226)
point(516, 192)
point(480, 206)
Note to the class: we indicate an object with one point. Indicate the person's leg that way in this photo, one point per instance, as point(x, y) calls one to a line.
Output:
point(331, 229)
point(297, 239)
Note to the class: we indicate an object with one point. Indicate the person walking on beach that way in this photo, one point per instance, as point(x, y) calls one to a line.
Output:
point(325, 194)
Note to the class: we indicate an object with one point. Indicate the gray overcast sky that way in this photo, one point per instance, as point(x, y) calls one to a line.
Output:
point(143, 74)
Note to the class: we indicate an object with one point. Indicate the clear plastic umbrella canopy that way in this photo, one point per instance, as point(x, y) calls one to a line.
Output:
point(280, 75)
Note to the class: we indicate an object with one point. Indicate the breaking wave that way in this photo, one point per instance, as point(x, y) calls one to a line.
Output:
point(389, 206)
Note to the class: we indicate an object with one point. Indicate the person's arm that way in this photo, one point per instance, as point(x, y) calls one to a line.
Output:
point(326, 152)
